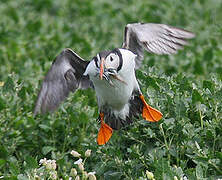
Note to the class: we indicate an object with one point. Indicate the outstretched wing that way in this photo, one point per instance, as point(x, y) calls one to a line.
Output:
point(65, 75)
point(154, 38)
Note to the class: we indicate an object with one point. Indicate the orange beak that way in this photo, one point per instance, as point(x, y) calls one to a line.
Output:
point(101, 68)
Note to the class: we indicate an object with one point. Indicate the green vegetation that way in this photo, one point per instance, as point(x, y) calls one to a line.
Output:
point(186, 87)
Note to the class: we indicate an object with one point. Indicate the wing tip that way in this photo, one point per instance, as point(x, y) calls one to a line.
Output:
point(192, 35)
point(68, 50)
point(189, 34)
point(184, 33)
point(71, 52)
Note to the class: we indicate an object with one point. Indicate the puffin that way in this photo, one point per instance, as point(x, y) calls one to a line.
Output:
point(111, 74)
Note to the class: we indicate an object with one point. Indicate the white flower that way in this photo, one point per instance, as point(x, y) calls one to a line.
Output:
point(49, 161)
point(36, 177)
point(53, 175)
point(78, 162)
point(1, 84)
point(53, 163)
point(88, 152)
point(92, 173)
point(75, 153)
point(149, 175)
point(81, 167)
point(91, 176)
point(73, 172)
point(77, 178)
point(48, 166)
point(84, 174)
point(175, 178)
point(43, 161)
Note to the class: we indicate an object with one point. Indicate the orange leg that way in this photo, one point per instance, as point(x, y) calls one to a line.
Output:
point(149, 113)
point(105, 131)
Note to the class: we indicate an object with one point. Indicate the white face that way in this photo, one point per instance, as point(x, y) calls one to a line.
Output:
point(128, 61)
point(112, 61)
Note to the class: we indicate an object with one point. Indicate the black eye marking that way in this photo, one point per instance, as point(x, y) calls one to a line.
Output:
point(111, 58)
point(118, 53)
point(96, 61)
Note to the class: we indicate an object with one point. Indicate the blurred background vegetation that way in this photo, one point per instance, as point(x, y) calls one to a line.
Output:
point(186, 87)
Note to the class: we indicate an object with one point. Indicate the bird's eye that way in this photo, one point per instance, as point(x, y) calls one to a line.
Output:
point(111, 59)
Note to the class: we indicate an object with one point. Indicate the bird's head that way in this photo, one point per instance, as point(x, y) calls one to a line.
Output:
point(110, 62)
point(108, 65)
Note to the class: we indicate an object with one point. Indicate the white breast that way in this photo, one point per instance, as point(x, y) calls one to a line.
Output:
point(118, 95)
point(115, 96)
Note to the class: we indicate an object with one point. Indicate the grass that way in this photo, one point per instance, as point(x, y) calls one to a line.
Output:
point(186, 87)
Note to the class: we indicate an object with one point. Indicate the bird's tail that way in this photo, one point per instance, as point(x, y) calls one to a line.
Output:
point(137, 106)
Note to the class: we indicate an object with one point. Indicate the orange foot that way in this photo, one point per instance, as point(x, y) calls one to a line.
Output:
point(105, 132)
point(149, 113)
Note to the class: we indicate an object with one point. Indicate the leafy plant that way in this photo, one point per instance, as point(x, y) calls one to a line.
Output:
point(186, 87)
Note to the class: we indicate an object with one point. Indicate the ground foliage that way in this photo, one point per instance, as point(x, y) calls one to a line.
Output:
point(186, 87)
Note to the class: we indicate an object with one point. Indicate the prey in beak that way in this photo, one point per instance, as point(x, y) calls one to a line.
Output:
point(103, 72)
point(107, 73)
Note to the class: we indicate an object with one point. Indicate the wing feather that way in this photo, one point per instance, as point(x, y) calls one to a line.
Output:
point(154, 38)
point(64, 76)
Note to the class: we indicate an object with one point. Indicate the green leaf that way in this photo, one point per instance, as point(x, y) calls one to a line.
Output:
point(198, 67)
point(219, 155)
point(47, 149)
point(31, 162)
point(22, 93)
point(208, 55)
point(129, 150)
point(199, 171)
point(9, 85)
point(112, 175)
point(169, 121)
point(14, 168)
point(14, 165)
point(196, 97)
point(2, 104)
point(218, 94)
point(13, 14)
point(3, 152)
point(152, 82)
point(218, 70)
point(44, 127)
point(208, 84)
point(2, 163)
point(22, 177)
